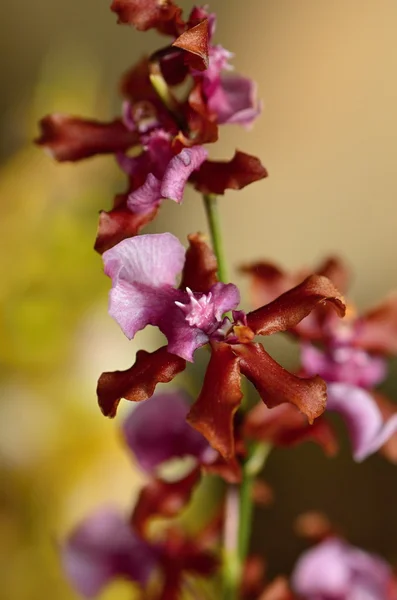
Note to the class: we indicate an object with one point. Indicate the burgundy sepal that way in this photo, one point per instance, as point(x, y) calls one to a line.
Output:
point(119, 224)
point(200, 269)
point(215, 177)
point(286, 311)
point(275, 385)
point(139, 381)
point(72, 138)
point(213, 412)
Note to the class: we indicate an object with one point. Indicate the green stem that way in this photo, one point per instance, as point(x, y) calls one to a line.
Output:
point(252, 467)
point(211, 209)
point(239, 503)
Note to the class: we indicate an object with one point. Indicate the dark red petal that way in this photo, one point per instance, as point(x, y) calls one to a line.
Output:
point(214, 177)
point(337, 271)
point(291, 307)
point(163, 499)
point(139, 381)
point(200, 269)
point(72, 138)
point(377, 331)
point(212, 413)
point(119, 224)
point(195, 43)
point(162, 15)
point(275, 385)
point(267, 281)
point(284, 425)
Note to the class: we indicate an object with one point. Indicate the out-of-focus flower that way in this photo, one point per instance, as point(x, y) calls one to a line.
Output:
point(156, 431)
point(334, 569)
point(105, 547)
point(143, 272)
point(351, 356)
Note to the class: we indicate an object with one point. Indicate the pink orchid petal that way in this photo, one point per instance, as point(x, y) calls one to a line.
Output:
point(333, 569)
point(179, 170)
point(368, 432)
point(143, 271)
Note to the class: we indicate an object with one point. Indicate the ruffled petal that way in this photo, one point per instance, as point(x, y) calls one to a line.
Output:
point(235, 101)
point(344, 364)
point(153, 260)
point(194, 42)
point(156, 431)
point(163, 499)
point(71, 138)
point(139, 381)
point(163, 16)
point(143, 271)
point(200, 269)
point(213, 412)
point(275, 385)
point(103, 548)
point(179, 170)
point(147, 197)
point(284, 425)
point(215, 177)
point(291, 307)
point(368, 432)
point(119, 224)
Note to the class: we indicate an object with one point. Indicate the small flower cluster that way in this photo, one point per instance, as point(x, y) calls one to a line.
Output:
point(173, 104)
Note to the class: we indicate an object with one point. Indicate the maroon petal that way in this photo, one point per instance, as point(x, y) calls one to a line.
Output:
point(164, 16)
point(268, 281)
point(119, 224)
point(214, 177)
point(163, 499)
point(377, 331)
point(212, 414)
point(337, 271)
point(194, 42)
point(200, 269)
point(291, 307)
point(284, 425)
point(72, 138)
point(275, 385)
point(139, 381)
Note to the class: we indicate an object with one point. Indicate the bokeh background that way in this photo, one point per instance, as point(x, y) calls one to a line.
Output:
point(328, 136)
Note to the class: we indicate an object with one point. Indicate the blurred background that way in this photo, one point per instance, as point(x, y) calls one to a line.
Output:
point(328, 137)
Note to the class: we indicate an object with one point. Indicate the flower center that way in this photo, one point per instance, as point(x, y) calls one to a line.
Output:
point(199, 312)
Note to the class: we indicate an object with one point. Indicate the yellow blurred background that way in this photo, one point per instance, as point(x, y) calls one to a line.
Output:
point(328, 136)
